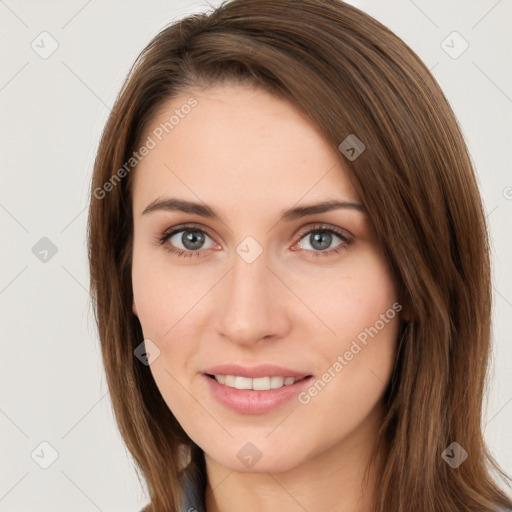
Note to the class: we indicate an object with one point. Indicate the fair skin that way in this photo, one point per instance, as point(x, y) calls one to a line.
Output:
point(249, 155)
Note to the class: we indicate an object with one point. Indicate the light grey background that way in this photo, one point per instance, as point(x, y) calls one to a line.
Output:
point(52, 112)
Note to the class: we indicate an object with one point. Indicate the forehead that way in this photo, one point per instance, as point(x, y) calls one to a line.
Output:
point(241, 146)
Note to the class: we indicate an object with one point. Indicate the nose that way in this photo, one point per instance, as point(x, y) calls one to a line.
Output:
point(252, 303)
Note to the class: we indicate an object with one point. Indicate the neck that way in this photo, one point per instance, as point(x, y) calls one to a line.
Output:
point(335, 479)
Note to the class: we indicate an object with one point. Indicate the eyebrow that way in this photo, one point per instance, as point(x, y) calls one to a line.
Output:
point(203, 210)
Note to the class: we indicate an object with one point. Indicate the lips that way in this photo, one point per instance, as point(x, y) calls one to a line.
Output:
point(254, 389)
point(254, 401)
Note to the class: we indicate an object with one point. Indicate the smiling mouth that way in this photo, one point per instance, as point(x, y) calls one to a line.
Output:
point(257, 383)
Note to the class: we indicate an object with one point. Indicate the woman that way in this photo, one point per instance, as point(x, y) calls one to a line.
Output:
point(290, 267)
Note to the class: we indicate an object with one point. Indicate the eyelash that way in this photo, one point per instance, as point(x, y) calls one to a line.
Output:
point(346, 240)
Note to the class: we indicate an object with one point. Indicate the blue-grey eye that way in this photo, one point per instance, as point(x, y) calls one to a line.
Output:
point(319, 240)
point(191, 239)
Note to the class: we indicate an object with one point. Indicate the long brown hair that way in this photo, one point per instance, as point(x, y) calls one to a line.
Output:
point(351, 76)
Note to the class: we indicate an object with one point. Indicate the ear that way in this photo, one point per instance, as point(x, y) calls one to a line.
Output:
point(134, 307)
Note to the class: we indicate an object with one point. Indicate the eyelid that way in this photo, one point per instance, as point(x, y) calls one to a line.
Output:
point(320, 226)
point(183, 227)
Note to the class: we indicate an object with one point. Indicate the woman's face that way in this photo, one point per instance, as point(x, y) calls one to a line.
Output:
point(243, 290)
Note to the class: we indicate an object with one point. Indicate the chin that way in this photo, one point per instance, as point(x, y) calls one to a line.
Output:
point(261, 462)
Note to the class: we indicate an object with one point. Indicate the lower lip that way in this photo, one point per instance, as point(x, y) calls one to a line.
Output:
point(249, 401)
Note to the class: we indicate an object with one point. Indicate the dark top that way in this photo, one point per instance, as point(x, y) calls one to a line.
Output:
point(194, 483)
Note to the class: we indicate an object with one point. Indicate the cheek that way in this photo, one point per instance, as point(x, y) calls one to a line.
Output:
point(169, 307)
point(355, 374)
point(360, 305)
point(162, 292)
point(164, 298)
point(353, 297)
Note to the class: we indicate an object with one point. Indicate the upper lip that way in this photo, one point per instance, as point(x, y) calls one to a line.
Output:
point(260, 370)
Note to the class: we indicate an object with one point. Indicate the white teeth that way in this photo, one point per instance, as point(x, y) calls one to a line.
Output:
point(259, 383)
point(243, 383)
point(276, 382)
point(230, 380)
